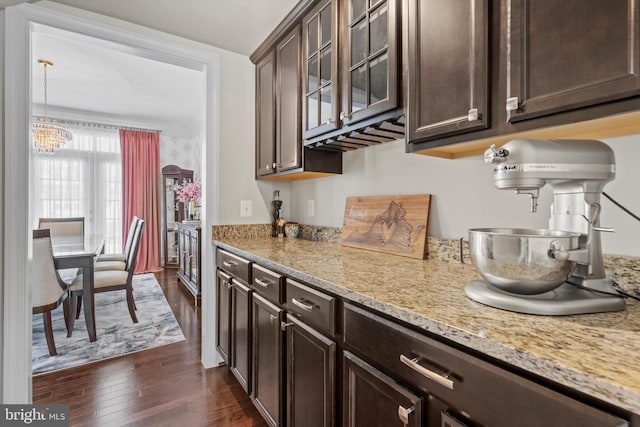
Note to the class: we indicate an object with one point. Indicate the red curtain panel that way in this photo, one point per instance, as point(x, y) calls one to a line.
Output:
point(141, 193)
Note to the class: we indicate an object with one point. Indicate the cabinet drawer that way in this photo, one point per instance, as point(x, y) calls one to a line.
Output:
point(234, 265)
point(267, 283)
point(313, 307)
point(492, 396)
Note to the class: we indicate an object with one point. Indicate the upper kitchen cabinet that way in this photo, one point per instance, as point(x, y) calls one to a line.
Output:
point(279, 150)
point(555, 70)
point(265, 116)
point(370, 58)
point(448, 59)
point(320, 69)
point(569, 54)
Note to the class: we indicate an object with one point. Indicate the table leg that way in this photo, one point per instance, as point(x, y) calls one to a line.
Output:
point(87, 301)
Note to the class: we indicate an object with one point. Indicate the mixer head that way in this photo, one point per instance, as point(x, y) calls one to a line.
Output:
point(570, 166)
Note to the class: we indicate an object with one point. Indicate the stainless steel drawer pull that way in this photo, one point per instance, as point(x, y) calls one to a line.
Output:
point(262, 283)
point(229, 264)
point(403, 414)
point(434, 376)
point(305, 307)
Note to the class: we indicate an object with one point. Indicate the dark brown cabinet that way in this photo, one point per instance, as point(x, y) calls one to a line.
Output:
point(371, 398)
point(310, 373)
point(265, 115)
point(447, 79)
point(320, 69)
point(370, 58)
point(233, 315)
point(190, 263)
point(280, 154)
point(554, 64)
point(223, 315)
point(173, 211)
point(268, 384)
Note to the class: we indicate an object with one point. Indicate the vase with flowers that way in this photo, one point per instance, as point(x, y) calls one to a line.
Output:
point(189, 193)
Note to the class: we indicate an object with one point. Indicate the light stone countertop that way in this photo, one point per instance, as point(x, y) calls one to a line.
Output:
point(597, 354)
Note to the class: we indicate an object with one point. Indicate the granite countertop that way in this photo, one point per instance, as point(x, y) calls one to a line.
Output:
point(597, 354)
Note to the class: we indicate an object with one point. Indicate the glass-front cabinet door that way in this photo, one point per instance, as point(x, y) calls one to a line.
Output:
point(320, 70)
point(172, 211)
point(370, 58)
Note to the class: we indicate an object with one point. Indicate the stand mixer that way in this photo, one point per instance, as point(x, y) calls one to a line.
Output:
point(577, 171)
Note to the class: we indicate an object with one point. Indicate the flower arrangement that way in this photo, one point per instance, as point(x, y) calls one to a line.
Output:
point(188, 191)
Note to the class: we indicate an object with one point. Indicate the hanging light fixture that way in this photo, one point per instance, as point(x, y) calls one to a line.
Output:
point(48, 137)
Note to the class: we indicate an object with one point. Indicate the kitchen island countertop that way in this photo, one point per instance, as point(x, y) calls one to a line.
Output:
point(596, 354)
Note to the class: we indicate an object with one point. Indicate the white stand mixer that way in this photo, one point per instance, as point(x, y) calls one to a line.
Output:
point(577, 170)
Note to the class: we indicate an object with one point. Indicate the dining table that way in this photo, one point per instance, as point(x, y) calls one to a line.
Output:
point(80, 252)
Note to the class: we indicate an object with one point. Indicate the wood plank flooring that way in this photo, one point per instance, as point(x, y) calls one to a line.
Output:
point(165, 386)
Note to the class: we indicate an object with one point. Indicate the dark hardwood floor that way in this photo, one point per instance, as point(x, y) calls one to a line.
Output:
point(165, 386)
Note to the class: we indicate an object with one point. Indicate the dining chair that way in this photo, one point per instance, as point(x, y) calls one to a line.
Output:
point(49, 291)
point(63, 226)
point(110, 280)
point(117, 261)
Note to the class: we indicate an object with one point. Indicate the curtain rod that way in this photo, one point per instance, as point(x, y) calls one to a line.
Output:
point(94, 124)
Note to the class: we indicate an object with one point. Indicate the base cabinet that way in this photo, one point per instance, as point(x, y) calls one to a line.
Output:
point(310, 372)
point(372, 398)
point(268, 384)
point(240, 360)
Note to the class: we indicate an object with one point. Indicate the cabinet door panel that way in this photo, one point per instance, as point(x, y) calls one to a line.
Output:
point(555, 64)
point(223, 315)
point(265, 116)
point(311, 370)
point(372, 398)
point(370, 84)
point(448, 55)
point(320, 70)
point(288, 136)
point(267, 361)
point(240, 363)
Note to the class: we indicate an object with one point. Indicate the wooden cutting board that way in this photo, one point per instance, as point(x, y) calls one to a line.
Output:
point(391, 224)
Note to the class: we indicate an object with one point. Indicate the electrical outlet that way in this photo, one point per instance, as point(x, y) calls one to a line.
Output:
point(311, 207)
point(246, 208)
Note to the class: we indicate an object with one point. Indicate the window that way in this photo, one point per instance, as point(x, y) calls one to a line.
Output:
point(84, 178)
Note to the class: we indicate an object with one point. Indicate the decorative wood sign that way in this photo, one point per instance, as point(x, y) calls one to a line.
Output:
point(391, 224)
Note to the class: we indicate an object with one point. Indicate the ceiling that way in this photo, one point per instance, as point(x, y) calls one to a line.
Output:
point(91, 77)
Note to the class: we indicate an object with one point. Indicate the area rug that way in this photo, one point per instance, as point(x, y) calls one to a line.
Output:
point(116, 332)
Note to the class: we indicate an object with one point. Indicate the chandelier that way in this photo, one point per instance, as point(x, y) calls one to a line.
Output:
point(48, 137)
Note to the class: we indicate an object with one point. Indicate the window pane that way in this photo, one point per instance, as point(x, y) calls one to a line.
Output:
point(379, 84)
point(378, 28)
point(325, 23)
point(325, 104)
point(358, 42)
point(312, 110)
point(312, 37)
point(325, 66)
point(359, 88)
point(358, 8)
point(312, 78)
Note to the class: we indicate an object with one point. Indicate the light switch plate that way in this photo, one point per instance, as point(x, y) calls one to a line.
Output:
point(246, 208)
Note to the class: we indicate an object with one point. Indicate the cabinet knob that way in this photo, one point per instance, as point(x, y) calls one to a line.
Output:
point(512, 103)
point(473, 115)
point(277, 165)
point(273, 318)
point(344, 115)
point(285, 325)
point(403, 414)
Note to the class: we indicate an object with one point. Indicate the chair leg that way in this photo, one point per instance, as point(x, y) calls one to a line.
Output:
point(72, 301)
point(48, 333)
point(131, 304)
point(79, 305)
point(66, 304)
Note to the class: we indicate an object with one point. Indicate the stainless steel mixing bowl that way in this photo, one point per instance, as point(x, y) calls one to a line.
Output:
point(517, 260)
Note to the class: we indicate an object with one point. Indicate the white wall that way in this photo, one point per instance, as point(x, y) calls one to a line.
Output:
point(2, 201)
point(463, 193)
